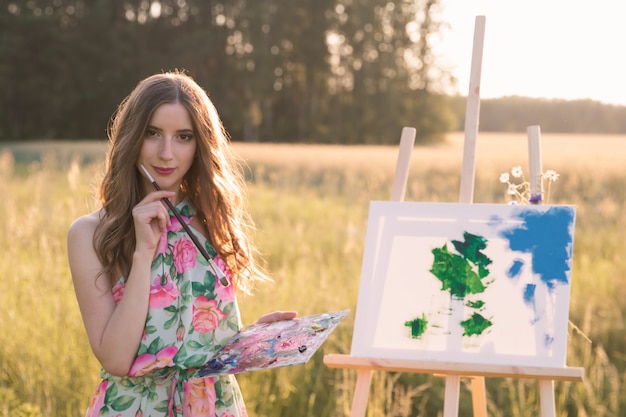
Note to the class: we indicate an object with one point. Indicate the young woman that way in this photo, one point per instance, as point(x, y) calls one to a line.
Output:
point(153, 308)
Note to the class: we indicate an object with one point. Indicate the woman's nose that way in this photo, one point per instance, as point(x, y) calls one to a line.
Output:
point(165, 150)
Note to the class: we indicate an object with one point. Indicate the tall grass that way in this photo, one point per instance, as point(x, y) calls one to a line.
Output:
point(310, 204)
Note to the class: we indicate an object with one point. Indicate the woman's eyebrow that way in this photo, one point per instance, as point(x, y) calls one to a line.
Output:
point(184, 130)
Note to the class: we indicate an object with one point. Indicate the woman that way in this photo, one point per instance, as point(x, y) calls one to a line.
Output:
point(152, 307)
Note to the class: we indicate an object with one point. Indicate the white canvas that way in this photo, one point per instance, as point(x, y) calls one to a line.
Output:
point(414, 305)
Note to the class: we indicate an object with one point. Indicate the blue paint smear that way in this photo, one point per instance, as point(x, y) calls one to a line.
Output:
point(516, 269)
point(529, 299)
point(495, 220)
point(529, 294)
point(547, 236)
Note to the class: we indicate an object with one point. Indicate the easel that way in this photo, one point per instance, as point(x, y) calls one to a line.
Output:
point(454, 371)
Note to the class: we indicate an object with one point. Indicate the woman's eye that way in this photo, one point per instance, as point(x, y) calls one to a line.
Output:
point(151, 132)
point(186, 137)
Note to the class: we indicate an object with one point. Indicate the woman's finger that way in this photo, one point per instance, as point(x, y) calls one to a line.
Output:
point(277, 316)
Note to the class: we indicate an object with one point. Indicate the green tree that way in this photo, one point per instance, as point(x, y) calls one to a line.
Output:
point(342, 71)
point(383, 69)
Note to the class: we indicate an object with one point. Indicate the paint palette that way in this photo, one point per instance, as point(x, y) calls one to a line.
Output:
point(273, 345)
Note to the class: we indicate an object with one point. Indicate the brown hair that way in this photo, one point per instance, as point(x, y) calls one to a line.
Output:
point(214, 184)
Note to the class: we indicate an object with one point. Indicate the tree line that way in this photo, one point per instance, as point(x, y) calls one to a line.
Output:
point(340, 71)
point(514, 114)
point(323, 71)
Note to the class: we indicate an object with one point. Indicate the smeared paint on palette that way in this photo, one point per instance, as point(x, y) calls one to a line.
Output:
point(273, 345)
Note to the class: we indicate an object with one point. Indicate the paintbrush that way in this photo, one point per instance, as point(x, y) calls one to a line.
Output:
point(216, 271)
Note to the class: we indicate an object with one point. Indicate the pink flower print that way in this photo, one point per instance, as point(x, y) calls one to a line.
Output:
point(227, 413)
point(199, 397)
point(185, 253)
point(180, 332)
point(118, 291)
point(175, 225)
point(97, 400)
point(206, 314)
point(162, 296)
point(224, 293)
point(148, 362)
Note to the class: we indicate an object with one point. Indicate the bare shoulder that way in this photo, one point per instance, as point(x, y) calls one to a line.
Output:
point(85, 265)
point(80, 249)
point(84, 226)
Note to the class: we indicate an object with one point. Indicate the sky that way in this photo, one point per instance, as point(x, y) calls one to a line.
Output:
point(563, 49)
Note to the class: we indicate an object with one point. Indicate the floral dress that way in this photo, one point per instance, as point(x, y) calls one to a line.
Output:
point(190, 316)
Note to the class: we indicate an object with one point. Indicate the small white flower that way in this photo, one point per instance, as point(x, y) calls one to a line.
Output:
point(521, 193)
point(512, 189)
point(551, 175)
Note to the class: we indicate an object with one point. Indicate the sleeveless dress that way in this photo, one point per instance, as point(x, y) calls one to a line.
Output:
point(190, 316)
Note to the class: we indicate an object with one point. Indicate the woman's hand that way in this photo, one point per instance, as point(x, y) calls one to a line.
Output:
point(151, 221)
point(277, 316)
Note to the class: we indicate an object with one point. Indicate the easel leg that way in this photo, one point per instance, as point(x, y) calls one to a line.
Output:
point(479, 396)
point(546, 397)
point(361, 393)
point(451, 399)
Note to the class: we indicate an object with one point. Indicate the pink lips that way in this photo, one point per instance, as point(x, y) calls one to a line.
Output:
point(163, 171)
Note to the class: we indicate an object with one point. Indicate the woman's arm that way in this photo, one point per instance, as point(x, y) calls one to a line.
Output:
point(115, 330)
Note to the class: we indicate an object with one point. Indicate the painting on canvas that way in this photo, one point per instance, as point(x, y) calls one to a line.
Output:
point(468, 283)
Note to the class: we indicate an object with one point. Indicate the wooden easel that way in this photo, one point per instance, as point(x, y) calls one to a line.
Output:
point(454, 371)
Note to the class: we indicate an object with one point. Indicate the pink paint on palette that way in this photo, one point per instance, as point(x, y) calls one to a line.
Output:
point(273, 345)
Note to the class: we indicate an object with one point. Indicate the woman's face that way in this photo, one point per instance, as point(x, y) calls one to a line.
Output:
point(168, 148)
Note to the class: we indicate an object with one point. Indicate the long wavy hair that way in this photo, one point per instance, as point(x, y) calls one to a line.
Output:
point(214, 184)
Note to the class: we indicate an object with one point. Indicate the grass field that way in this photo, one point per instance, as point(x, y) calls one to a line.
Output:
point(310, 204)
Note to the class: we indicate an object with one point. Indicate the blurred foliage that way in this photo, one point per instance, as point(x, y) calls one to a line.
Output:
point(514, 114)
point(338, 71)
point(306, 71)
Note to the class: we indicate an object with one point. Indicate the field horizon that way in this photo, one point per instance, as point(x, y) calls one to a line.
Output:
point(604, 151)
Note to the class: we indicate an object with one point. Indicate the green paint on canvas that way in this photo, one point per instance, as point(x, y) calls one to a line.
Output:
point(455, 273)
point(477, 305)
point(418, 326)
point(475, 325)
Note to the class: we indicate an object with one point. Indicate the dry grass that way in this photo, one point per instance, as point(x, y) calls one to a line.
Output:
point(310, 204)
point(603, 153)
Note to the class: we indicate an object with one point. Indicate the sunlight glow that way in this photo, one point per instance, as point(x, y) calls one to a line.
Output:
point(563, 49)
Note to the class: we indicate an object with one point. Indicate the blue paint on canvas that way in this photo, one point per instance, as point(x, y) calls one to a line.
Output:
point(530, 299)
point(529, 294)
point(516, 269)
point(547, 237)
